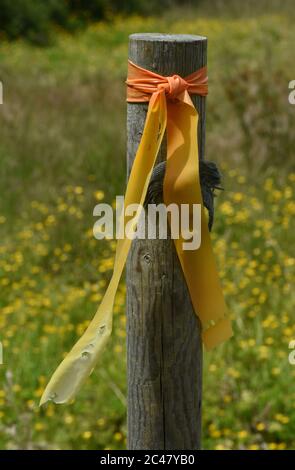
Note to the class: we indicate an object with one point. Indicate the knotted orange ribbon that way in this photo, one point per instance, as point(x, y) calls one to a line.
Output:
point(142, 83)
point(171, 108)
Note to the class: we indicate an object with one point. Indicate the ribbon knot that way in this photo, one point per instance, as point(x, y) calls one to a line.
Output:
point(142, 83)
point(174, 86)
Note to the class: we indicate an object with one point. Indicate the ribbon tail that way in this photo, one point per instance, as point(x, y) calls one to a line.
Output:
point(182, 186)
point(80, 361)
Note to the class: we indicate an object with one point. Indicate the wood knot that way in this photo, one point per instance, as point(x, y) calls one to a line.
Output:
point(147, 258)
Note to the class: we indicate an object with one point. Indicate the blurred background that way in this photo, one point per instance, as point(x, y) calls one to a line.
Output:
point(62, 150)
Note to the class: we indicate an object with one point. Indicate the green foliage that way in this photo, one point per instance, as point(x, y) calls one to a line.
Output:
point(33, 19)
point(99, 9)
point(30, 18)
point(36, 20)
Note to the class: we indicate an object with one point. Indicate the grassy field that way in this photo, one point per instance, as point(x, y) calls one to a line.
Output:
point(62, 149)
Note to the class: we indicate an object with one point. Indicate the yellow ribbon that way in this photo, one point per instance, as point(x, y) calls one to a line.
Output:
point(171, 108)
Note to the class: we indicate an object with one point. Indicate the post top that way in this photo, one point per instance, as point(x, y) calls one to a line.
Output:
point(166, 37)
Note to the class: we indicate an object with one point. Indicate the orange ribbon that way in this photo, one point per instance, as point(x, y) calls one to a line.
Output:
point(142, 83)
point(170, 108)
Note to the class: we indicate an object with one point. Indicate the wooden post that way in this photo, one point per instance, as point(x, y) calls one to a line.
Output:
point(164, 349)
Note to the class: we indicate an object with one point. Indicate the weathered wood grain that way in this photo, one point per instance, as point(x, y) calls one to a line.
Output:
point(164, 350)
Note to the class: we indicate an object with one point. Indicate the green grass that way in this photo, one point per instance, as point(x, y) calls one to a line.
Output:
point(62, 145)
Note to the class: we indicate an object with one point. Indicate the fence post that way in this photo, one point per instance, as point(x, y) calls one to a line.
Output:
point(164, 350)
